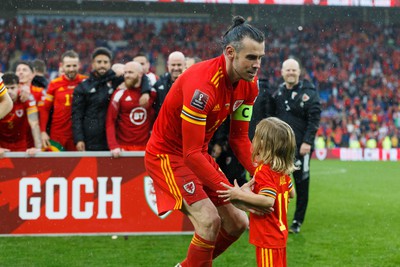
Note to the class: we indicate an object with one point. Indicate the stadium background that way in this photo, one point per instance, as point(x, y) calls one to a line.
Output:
point(307, 31)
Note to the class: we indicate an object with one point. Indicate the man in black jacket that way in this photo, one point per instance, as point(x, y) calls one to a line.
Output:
point(90, 102)
point(297, 103)
point(176, 65)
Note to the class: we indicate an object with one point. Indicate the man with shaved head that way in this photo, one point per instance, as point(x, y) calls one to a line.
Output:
point(128, 123)
point(176, 64)
point(297, 103)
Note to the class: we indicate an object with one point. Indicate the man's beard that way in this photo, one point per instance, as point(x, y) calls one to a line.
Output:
point(71, 75)
point(130, 83)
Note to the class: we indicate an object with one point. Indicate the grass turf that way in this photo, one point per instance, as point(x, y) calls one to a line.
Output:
point(353, 220)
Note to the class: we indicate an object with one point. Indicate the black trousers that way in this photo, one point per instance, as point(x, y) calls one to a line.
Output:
point(302, 183)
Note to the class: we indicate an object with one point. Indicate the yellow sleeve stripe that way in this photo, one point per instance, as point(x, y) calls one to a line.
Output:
point(49, 98)
point(31, 110)
point(3, 89)
point(194, 113)
point(170, 180)
point(193, 117)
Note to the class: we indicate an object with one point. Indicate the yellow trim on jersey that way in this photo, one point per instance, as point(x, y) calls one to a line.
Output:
point(170, 179)
point(193, 117)
point(49, 98)
point(3, 89)
point(31, 110)
point(217, 76)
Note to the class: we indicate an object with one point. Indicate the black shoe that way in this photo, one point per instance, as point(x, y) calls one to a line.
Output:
point(295, 227)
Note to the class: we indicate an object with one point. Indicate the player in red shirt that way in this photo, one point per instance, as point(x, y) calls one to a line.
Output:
point(6, 102)
point(25, 73)
point(128, 124)
point(59, 98)
point(274, 147)
point(185, 176)
point(22, 119)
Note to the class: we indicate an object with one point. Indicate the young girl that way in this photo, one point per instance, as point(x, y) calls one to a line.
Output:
point(274, 149)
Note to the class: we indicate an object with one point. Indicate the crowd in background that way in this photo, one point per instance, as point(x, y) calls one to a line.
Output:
point(354, 65)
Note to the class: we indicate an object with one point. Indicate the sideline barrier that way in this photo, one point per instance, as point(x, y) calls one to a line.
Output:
point(84, 193)
point(358, 154)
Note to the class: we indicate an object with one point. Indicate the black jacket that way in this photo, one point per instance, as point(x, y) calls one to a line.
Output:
point(89, 108)
point(300, 107)
point(261, 105)
point(162, 87)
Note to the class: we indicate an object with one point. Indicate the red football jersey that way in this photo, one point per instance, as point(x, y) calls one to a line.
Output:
point(271, 230)
point(38, 94)
point(128, 124)
point(196, 105)
point(14, 127)
point(59, 97)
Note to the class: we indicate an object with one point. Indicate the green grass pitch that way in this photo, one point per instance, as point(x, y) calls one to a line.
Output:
point(353, 220)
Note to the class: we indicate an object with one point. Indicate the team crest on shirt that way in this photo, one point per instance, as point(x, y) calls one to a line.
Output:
point(305, 98)
point(199, 99)
point(237, 104)
point(151, 197)
point(19, 113)
point(189, 187)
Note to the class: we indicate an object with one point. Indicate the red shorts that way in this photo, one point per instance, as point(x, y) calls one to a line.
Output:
point(174, 181)
point(271, 257)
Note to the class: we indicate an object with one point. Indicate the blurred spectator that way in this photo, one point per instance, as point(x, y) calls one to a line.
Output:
point(175, 66)
point(39, 72)
point(191, 61)
point(90, 102)
point(129, 124)
point(59, 101)
point(144, 61)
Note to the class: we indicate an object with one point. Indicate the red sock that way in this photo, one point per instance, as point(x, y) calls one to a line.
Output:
point(199, 253)
point(224, 240)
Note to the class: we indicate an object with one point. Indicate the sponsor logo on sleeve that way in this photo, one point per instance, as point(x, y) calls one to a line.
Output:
point(199, 99)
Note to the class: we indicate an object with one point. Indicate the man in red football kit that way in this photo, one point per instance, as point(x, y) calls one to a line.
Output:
point(128, 124)
point(25, 73)
point(22, 119)
point(185, 176)
point(59, 98)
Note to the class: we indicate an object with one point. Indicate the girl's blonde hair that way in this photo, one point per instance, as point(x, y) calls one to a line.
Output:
point(274, 143)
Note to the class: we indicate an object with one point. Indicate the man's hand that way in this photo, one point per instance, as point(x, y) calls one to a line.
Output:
point(144, 99)
point(305, 149)
point(116, 152)
point(2, 151)
point(32, 151)
point(45, 140)
point(80, 146)
point(25, 92)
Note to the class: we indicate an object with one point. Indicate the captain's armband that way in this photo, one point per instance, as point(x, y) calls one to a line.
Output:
point(243, 113)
